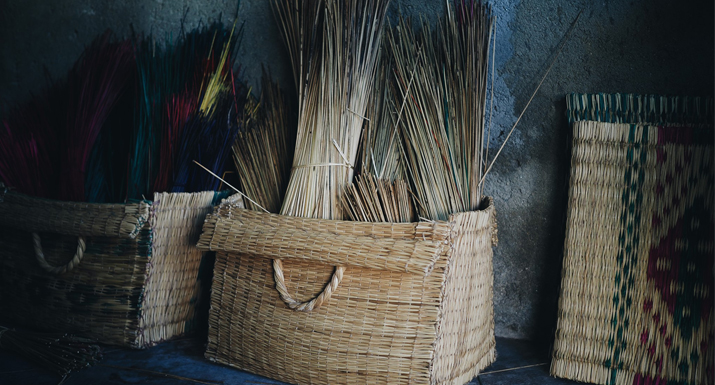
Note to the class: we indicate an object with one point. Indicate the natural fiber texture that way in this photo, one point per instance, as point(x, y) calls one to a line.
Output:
point(414, 304)
point(136, 284)
point(172, 288)
point(637, 281)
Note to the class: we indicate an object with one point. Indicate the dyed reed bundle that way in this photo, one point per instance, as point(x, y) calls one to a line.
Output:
point(442, 77)
point(29, 150)
point(334, 48)
point(177, 80)
point(207, 140)
point(94, 86)
point(263, 149)
point(370, 199)
point(55, 134)
point(107, 168)
point(58, 353)
point(209, 133)
point(179, 111)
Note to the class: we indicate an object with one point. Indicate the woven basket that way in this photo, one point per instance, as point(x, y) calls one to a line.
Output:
point(414, 304)
point(636, 303)
point(132, 275)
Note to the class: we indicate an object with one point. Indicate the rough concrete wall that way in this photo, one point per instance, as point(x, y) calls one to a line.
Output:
point(640, 46)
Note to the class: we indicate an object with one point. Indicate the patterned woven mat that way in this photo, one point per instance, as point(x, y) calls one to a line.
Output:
point(636, 303)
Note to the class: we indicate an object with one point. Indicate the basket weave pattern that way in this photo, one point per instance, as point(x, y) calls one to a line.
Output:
point(414, 305)
point(637, 283)
point(137, 282)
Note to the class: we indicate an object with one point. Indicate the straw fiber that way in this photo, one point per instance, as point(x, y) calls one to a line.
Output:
point(414, 304)
point(136, 284)
point(636, 304)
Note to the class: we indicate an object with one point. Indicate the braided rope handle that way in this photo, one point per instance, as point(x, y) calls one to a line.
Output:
point(81, 246)
point(314, 303)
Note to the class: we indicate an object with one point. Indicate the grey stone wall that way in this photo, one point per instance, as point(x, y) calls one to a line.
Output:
point(639, 46)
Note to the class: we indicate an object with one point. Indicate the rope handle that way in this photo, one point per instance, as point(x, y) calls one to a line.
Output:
point(81, 246)
point(314, 303)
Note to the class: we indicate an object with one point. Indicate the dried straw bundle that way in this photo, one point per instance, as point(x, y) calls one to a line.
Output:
point(443, 79)
point(263, 148)
point(334, 47)
point(58, 353)
point(370, 199)
point(381, 152)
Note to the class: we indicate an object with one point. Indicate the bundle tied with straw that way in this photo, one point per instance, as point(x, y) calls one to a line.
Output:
point(59, 353)
point(334, 47)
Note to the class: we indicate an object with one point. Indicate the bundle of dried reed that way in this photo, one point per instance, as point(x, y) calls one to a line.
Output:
point(334, 47)
point(263, 148)
point(381, 152)
point(442, 77)
point(370, 199)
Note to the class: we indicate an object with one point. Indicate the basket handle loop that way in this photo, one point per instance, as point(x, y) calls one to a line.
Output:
point(314, 303)
point(81, 246)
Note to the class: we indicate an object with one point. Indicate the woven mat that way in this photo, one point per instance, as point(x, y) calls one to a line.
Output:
point(636, 303)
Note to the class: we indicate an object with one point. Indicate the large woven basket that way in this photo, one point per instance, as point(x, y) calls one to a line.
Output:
point(636, 303)
point(414, 305)
point(123, 274)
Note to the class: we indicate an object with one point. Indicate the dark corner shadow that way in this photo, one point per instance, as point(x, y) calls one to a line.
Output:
point(550, 281)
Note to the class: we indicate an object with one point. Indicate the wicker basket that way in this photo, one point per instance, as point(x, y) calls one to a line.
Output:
point(132, 275)
point(413, 306)
point(636, 304)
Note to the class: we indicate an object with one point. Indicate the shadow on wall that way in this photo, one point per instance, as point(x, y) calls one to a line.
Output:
point(39, 36)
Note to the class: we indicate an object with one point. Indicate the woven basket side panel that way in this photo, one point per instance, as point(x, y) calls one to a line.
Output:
point(98, 299)
point(172, 288)
point(636, 296)
point(465, 332)
point(72, 218)
point(400, 247)
point(378, 326)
